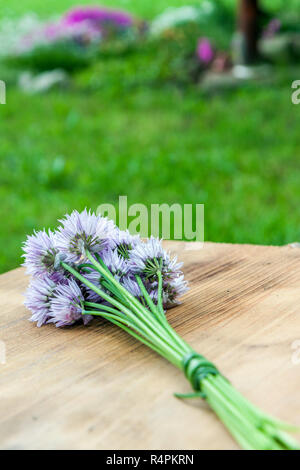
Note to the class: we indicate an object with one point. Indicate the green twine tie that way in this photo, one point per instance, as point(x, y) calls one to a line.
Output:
point(196, 368)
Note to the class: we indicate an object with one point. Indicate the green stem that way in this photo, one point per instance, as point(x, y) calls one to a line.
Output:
point(162, 319)
point(160, 294)
point(147, 297)
point(250, 427)
point(141, 311)
point(135, 335)
point(112, 313)
point(169, 350)
point(105, 308)
point(243, 420)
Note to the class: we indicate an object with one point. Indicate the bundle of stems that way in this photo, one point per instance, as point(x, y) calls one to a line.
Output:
point(146, 321)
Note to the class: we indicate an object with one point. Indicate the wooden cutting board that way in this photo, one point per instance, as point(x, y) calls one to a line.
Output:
point(95, 387)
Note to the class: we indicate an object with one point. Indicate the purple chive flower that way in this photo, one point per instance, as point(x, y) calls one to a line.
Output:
point(66, 306)
point(84, 231)
point(117, 265)
point(149, 257)
point(172, 291)
point(95, 278)
point(125, 242)
point(205, 52)
point(101, 16)
point(38, 297)
point(132, 286)
point(41, 254)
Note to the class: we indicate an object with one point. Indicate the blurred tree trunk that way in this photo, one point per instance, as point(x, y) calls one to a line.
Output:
point(249, 26)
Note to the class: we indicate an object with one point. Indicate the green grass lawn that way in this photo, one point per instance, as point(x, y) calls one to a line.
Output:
point(237, 153)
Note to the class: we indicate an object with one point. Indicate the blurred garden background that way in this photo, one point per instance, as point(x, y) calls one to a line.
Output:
point(147, 119)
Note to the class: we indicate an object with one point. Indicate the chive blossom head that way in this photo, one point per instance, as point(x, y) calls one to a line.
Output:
point(66, 306)
point(84, 231)
point(40, 253)
point(38, 297)
point(125, 243)
point(149, 258)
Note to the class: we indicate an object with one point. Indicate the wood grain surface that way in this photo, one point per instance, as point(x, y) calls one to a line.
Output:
point(97, 388)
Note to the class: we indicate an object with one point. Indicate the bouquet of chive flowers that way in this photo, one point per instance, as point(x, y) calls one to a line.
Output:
point(89, 268)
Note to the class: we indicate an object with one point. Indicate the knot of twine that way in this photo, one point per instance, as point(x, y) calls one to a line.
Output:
point(196, 368)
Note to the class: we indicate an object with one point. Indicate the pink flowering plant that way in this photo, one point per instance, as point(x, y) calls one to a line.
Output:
point(75, 39)
point(89, 268)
